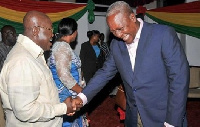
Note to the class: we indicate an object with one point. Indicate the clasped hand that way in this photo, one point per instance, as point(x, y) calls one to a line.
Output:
point(73, 105)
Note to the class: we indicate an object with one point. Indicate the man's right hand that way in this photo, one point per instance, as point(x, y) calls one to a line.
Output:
point(68, 102)
point(77, 103)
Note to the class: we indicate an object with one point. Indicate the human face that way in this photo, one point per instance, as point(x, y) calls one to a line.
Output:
point(95, 37)
point(45, 35)
point(123, 26)
point(11, 37)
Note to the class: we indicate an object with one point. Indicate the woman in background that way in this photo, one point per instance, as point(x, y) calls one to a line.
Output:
point(65, 66)
point(91, 55)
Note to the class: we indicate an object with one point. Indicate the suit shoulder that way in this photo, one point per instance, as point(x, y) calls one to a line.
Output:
point(85, 43)
point(162, 27)
point(159, 29)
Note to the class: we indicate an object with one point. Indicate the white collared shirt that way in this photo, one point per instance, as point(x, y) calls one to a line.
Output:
point(29, 94)
point(132, 48)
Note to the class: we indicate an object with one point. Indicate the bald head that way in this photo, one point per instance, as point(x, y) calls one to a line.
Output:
point(38, 27)
point(119, 7)
point(34, 18)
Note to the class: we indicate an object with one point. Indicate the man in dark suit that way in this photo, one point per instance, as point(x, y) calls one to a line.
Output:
point(152, 65)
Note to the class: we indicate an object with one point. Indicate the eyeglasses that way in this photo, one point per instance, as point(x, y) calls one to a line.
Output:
point(45, 28)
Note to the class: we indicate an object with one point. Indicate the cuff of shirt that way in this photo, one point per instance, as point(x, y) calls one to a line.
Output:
point(168, 125)
point(60, 109)
point(83, 98)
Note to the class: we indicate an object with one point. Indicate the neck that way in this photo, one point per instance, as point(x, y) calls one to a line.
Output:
point(65, 39)
point(6, 43)
point(92, 42)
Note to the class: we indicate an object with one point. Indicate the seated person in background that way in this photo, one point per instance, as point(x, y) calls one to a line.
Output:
point(65, 66)
point(28, 92)
point(8, 35)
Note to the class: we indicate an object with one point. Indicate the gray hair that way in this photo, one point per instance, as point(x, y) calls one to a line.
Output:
point(119, 7)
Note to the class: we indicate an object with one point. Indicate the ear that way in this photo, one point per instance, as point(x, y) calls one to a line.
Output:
point(65, 38)
point(133, 17)
point(35, 31)
point(68, 38)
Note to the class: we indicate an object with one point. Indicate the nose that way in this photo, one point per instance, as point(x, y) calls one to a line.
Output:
point(52, 34)
point(51, 37)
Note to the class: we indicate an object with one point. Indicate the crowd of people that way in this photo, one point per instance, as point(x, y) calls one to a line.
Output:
point(149, 58)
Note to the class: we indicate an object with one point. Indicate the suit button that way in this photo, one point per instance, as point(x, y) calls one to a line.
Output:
point(135, 90)
point(135, 105)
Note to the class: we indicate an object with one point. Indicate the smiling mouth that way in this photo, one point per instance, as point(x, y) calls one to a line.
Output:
point(51, 39)
point(125, 37)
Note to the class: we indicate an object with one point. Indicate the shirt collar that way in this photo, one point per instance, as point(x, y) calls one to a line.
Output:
point(31, 46)
point(137, 36)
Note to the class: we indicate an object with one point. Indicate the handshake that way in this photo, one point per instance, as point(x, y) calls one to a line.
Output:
point(73, 105)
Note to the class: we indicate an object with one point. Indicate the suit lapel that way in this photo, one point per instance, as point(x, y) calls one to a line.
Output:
point(90, 48)
point(145, 38)
point(126, 60)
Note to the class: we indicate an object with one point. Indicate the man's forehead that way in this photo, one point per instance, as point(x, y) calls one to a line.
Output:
point(8, 29)
point(116, 20)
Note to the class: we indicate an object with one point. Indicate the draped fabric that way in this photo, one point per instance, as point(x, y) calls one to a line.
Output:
point(132, 3)
point(136, 3)
point(185, 18)
point(13, 11)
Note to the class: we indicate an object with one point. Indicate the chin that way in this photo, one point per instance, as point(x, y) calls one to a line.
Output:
point(129, 41)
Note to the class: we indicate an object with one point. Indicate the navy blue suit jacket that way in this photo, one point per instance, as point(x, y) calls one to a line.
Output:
point(158, 86)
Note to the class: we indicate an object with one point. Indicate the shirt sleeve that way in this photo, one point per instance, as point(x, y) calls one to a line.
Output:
point(83, 98)
point(63, 57)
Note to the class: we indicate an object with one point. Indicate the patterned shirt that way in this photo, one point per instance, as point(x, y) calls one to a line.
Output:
point(4, 50)
point(105, 49)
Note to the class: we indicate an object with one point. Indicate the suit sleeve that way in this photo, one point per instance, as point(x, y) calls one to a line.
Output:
point(101, 77)
point(178, 77)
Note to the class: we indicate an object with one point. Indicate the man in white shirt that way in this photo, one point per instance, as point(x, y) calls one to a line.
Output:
point(29, 95)
point(153, 67)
